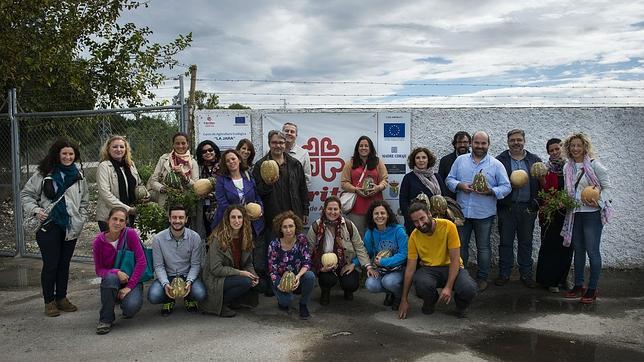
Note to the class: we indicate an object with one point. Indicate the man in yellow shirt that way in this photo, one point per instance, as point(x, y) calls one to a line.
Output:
point(435, 242)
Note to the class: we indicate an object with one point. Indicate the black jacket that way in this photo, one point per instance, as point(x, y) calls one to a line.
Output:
point(530, 158)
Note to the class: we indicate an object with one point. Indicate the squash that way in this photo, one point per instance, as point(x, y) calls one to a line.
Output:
point(538, 170)
point(178, 287)
point(438, 206)
point(173, 181)
point(421, 197)
point(329, 260)
point(270, 171)
point(253, 210)
point(384, 253)
point(590, 195)
point(479, 183)
point(287, 282)
point(141, 193)
point(203, 186)
point(519, 178)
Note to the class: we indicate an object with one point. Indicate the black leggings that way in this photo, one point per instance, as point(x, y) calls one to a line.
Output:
point(56, 256)
point(348, 282)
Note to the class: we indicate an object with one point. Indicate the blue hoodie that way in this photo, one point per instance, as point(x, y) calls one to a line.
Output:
point(393, 237)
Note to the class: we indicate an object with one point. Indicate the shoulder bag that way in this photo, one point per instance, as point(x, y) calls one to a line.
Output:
point(348, 198)
point(126, 261)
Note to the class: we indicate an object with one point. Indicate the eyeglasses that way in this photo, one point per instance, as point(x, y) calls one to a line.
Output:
point(206, 150)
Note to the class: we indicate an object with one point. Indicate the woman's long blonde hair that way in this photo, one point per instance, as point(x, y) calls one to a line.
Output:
point(105, 150)
point(223, 233)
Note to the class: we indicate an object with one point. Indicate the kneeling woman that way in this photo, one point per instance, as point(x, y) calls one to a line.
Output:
point(332, 233)
point(289, 252)
point(228, 272)
point(116, 285)
point(386, 243)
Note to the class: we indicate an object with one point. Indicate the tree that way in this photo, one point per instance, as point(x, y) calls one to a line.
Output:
point(71, 54)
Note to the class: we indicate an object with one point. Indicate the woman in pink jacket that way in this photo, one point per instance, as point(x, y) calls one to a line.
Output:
point(116, 285)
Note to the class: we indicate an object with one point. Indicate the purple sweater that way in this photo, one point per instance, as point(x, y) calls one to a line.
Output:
point(105, 254)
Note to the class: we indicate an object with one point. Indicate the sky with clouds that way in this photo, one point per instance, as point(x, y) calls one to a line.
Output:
point(408, 53)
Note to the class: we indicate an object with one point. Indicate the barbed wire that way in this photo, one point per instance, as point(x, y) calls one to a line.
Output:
point(422, 95)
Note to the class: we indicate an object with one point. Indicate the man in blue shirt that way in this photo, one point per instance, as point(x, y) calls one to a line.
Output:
point(517, 212)
point(479, 208)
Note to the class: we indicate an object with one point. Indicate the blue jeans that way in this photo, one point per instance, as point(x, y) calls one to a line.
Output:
point(235, 287)
point(586, 235)
point(387, 283)
point(130, 305)
point(482, 231)
point(516, 220)
point(156, 293)
point(307, 282)
point(428, 278)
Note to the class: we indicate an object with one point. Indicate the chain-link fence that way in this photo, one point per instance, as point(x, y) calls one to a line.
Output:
point(7, 227)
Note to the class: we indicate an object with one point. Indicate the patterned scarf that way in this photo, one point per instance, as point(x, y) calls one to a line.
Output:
point(71, 174)
point(555, 165)
point(428, 178)
point(570, 180)
point(185, 161)
point(338, 249)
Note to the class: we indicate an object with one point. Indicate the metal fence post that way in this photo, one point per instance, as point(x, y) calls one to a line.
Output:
point(21, 248)
point(182, 101)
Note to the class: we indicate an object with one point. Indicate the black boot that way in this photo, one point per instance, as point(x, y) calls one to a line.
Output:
point(348, 295)
point(389, 299)
point(325, 296)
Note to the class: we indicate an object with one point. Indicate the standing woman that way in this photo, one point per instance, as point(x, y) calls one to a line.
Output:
point(384, 234)
point(228, 271)
point(117, 180)
point(235, 185)
point(247, 151)
point(290, 252)
point(332, 233)
point(180, 162)
point(421, 178)
point(116, 285)
point(57, 178)
point(366, 175)
point(583, 225)
point(208, 156)
point(554, 257)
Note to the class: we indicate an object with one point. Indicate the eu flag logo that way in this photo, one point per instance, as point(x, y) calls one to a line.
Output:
point(240, 120)
point(394, 130)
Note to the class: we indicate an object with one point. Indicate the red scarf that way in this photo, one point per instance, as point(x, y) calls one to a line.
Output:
point(184, 162)
point(338, 249)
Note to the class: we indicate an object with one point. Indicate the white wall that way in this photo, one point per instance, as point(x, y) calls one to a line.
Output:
point(616, 134)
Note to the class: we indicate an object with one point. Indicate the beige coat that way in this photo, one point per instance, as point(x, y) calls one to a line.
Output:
point(155, 183)
point(218, 266)
point(353, 244)
point(108, 189)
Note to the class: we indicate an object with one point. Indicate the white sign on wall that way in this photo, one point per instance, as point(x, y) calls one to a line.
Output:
point(393, 146)
point(224, 127)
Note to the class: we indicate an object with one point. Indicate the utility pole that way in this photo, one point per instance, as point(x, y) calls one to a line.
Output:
point(191, 102)
point(284, 100)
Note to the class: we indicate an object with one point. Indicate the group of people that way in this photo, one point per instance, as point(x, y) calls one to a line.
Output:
point(224, 257)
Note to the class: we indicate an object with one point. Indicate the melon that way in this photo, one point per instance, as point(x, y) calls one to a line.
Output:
point(203, 186)
point(438, 206)
point(141, 193)
point(287, 283)
point(329, 260)
point(590, 195)
point(178, 287)
point(384, 253)
point(421, 197)
point(270, 171)
point(538, 170)
point(518, 178)
point(368, 184)
point(253, 210)
point(479, 184)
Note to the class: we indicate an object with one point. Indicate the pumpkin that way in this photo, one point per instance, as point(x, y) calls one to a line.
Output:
point(287, 282)
point(178, 287)
point(479, 184)
point(270, 171)
point(253, 210)
point(203, 186)
point(173, 181)
point(438, 206)
point(329, 260)
point(590, 195)
point(141, 193)
point(518, 178)
point(368, 184)
point(538, 170)
point(421, 197)
point(384, 253)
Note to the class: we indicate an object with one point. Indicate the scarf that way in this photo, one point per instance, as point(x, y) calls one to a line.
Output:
point(570, 180)
point(185, 161)
point(428, 178)
point(63, 177)
point(338, 249)
point(555, 165)
point(127, 192)
point(209, 170)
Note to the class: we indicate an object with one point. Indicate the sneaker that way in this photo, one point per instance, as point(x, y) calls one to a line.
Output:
point(65, 305)
point(103, 328)
point(191, 306)
point(553, 289)
point(389, 299)
point(167, 309)
point(226, 312)
point(51, 310)
point(589, 296)
point(428, 307)
point(325, 297)
point(575, 292)
point(348, 295)
point(304, 312)
point(481, 285)
point(528, 282)
point(501, 281)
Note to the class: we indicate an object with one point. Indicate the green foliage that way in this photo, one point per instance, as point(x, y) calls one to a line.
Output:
point(145, 171)
point(185, 197)
point(151, 219)
point(553, 202)
point(67, 54)
point(237, 106)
